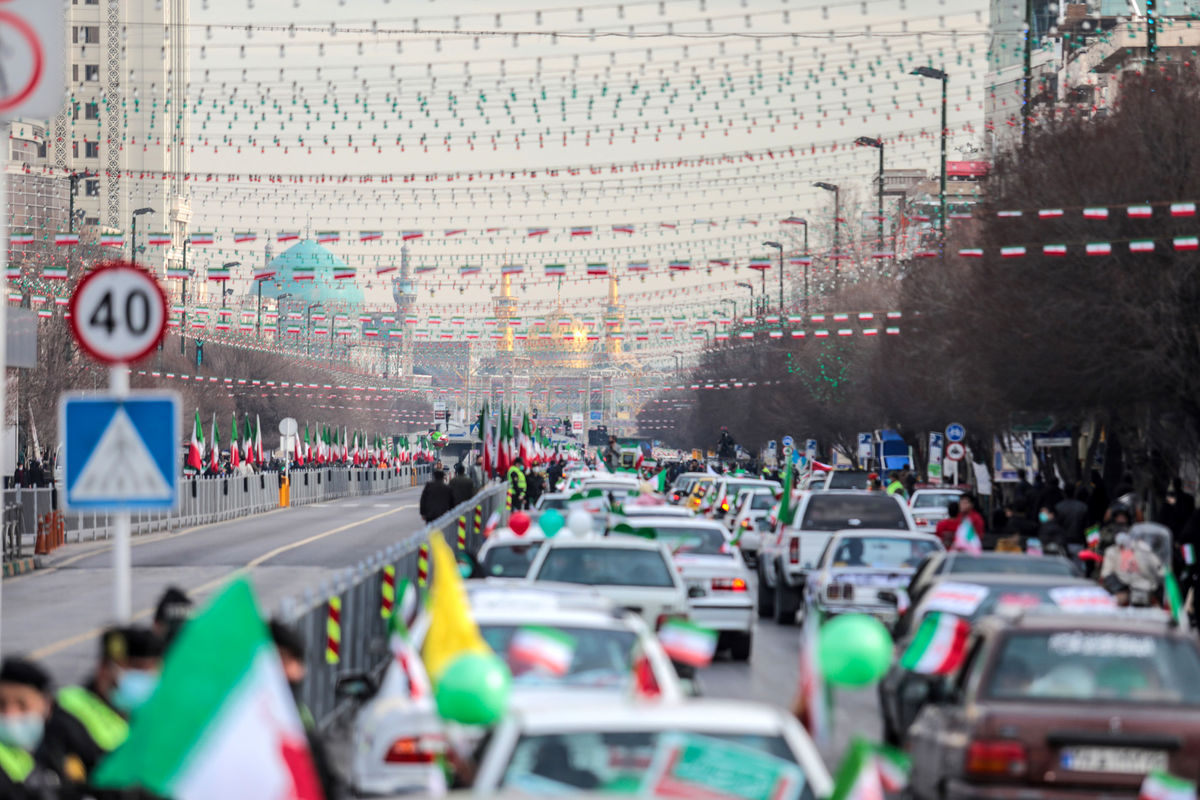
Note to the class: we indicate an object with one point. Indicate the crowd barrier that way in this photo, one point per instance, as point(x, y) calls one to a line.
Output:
point(203, 500)
point(349, 606)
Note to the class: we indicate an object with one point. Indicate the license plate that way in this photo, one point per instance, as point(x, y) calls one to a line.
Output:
point(1130, 760)
point(701, 586)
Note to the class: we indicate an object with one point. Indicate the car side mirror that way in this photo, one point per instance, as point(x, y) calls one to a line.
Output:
point(355, 686)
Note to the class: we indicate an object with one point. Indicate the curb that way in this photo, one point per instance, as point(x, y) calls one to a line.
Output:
point(18, 566)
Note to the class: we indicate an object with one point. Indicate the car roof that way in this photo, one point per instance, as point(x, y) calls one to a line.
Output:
point(725, 715)
point(937, 491)
point(664, 510)
point(615, 541)
point(994, 556)
point(1018, 579)
point(681, 522)
point(892, 533)
point(1119, 620)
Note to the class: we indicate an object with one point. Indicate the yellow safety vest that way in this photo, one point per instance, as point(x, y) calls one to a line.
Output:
point(517, 478)
point(15, 763)
point(896, 486)
point(107, 728)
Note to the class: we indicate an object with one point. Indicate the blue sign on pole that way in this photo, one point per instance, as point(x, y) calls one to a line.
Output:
point(955, 432)
point(595, 416)
point(810, 449)
point(120, 453)
point(789, 441)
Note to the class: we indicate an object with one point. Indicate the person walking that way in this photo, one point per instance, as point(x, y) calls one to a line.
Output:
point(895, 486)
point(462, 488)
point(436, 497)
point(516, 484)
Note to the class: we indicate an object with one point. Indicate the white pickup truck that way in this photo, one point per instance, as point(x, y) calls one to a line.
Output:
point(790, 552)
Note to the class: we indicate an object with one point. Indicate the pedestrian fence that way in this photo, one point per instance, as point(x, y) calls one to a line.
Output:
point(202, 500)
point(343, 620)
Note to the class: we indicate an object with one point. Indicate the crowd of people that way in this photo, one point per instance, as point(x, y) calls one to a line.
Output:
point(52, 737)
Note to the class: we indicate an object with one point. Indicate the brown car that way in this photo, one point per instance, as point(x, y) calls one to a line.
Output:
point(1055, 706)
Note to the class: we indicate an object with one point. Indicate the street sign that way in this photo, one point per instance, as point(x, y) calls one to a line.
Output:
point(120, 453)
point(810, 449)
point(577, 422)
point(955, 432)
point(1056, 439)
point(788, 441)
point(771, 446)
point(595, 416)
point(787, 451)
point(864, 446)
point(118, 313)
point(287, 426)
point(32, 77)
point(955, 451)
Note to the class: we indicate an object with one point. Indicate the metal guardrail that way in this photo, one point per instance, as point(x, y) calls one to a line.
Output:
point(208, 499)
point(13, 544)
point(364, 631)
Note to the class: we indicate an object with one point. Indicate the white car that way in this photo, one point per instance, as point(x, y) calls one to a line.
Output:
point(718, 582)
point(750, 520)
point(728, 488)
point(565, 502)
point(931, 506)
point(398, 737)
point(634, 573)
point(859, 564)
point(616, 487)
point(616, 748)
point(506, 555)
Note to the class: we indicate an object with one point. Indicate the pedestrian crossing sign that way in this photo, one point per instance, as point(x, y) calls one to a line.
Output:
point(120, 453)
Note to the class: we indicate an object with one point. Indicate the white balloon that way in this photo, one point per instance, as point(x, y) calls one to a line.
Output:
point(579, 522)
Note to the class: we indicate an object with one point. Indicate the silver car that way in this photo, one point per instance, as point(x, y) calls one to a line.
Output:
point(931, 506)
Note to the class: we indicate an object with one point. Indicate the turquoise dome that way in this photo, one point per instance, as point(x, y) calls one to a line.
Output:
point(323, 287)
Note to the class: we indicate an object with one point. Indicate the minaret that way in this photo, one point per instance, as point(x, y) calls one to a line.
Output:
point(505, 305)
point(614, 309)
point(405, 295)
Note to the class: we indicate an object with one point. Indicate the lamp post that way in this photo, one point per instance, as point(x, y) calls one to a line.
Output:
point(749, 286)
point(867, 141)
point(183, 321)
point(837, 215)
point(804, 222)
point(939, 75)
point(308, 328)
point(779, 246)
point(133, 233)
point(734, 302)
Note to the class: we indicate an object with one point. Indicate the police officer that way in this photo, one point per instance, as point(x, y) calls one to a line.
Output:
point(93, 719)
point(895, 486)
point(31, 764)
point(516, 482)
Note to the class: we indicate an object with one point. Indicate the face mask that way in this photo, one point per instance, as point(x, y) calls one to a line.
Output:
point(1043, 516)
point(23, 731)
point(134, 687)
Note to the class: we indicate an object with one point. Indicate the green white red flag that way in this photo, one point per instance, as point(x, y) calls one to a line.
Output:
point(195, 457)
point(688, 643)
point(966, 538)
point(1161, 786)
point(222, 721)
point(541, 649)
point(939, 645)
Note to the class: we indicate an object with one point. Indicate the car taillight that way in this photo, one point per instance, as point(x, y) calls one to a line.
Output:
point(728, 585)
point(996, 757)
point(747, 524)
point(794, 551)
point(414, 750)
point(724, 505)
point(843, 590)
point(664, 618)
point(920, 520)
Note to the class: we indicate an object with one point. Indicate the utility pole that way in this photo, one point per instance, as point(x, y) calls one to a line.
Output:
point(1026, 91)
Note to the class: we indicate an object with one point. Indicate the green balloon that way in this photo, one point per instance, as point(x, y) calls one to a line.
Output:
point(473, 690)
point(551, 522)
point(854, 650)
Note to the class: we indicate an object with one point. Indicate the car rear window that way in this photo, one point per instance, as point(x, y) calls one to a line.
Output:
point(881, 552)
point(609, 762)
point(835, 512)
point(545, 503)
point(599, 657)
point(1007, 565)
point(934, 499)
point(606, 566)
point(762, 502)
point(849, 480)
point(694, 541)
point(1109, 667)
point(509, 561)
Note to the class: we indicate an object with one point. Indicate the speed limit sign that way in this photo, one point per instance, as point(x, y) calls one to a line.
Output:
point(118, 313)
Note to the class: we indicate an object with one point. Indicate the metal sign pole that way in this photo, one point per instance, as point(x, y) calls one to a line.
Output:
point(118, 386)
point(5, 468)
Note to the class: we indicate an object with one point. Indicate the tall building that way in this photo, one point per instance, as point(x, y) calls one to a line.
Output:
point(127, 115)
point(37, 201)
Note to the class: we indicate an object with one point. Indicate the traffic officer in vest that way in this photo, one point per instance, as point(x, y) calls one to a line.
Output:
point(895, 486)
point(31, 765)
point(92, 720)
point(516, 482)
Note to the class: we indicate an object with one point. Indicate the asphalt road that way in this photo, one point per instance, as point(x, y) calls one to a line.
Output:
point(55, 614)
point(771, 677)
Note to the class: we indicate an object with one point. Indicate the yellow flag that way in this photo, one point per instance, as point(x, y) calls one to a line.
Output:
point(452, 630)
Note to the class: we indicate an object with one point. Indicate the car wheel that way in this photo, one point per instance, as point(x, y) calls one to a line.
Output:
point(740, 645)
point(785, 603)
point(766, 598)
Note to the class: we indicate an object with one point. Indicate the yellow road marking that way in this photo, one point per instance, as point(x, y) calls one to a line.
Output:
point(63, 644)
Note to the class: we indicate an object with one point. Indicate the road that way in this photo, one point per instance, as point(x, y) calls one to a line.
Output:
point(56, 614)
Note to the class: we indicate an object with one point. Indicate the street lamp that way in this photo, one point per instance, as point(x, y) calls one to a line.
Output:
point(867, 141)
point(308, 328)
point(749, 286)
point(837, 215)
point(728, 300)
point(779, 246)
point(939, 75)
point(183, 322)
point(133, 233)
point(804, 222)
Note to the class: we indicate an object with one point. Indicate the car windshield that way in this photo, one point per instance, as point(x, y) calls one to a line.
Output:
point(1108, 667)
point(509, 560)
point(974, 601)
point(881, 552)
point(732, 488)
point(849, 480)
point(762, 502)
point(596, 658)
point(834, 512)
point(545, 503)
point(694, 541)
point(613, 762)
point(934, 499)
point(1003, 564)
point(617, 489)
point(606, 566)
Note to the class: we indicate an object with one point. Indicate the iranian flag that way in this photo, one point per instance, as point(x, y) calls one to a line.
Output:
point(858, 776)
point(195, 456)
point(235, 454)
point(660, 482)
point(222, 722)
point(817, 717)
point(215, 455)
point(688, 643)
point(1161, 786)
point(541, 649)
point(939, 646)
point(966, 538)
point(258, 451)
